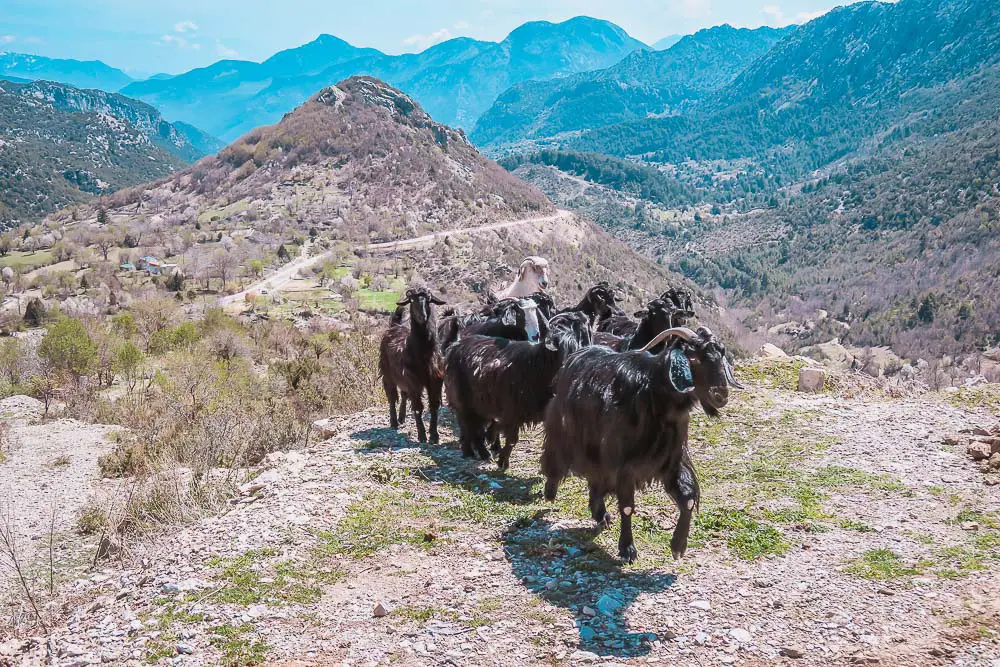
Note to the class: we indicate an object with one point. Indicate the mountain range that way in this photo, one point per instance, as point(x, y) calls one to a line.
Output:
point(645, 83)
point(81, 74)
point(456, 81)
point(60, 144)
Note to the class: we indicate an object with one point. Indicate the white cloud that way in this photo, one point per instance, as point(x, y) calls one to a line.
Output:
point(186, 26)
point(462, 25)
point(224, 51)
point(774, 13)
point(421, 42)
point(178, 42)
point(7, 39)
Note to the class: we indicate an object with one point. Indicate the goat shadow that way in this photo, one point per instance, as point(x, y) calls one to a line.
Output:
point(564, 567)
point(451, 468)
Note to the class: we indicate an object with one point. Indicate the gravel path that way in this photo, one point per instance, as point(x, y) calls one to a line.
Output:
point(470, 567)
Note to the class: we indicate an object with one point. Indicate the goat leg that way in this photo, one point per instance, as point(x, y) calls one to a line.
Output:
point(555, 470)
point(402, 408)
point(493, 436)
point(392, 394)
point(417, 406)
point(434, 402)
point(511, 435)
point(469, 433)
point(598, 510)
point(683, 488)
point(626, 507)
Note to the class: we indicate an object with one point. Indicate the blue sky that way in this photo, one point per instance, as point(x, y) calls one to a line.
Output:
point(177, 35)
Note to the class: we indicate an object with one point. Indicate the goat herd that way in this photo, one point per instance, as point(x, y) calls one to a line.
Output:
point(614, 393)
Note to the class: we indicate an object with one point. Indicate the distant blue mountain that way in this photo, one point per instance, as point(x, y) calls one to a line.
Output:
point(646, 83)
point(76, 73)
point(667, 42)
point(455, 81)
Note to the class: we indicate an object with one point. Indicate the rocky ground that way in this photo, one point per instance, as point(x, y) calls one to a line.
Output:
point(836, 528)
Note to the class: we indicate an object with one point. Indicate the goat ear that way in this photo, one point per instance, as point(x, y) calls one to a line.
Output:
point(640, 314)
point(403, 302)
point(436, 301)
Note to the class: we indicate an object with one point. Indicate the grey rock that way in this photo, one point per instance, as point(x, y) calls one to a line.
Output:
point(381, 610)
point(703, 605)
point(184, 649)
point(740, 635)
point(608, 605)
point(792, 652)
point(812, 380)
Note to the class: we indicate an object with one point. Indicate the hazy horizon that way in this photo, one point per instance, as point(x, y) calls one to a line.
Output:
point(144, 40)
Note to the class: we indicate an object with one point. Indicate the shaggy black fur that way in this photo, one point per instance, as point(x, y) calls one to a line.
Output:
point(598, 303)
point(410, 363)
point(503, 319)
point(617, 420)
point(656, 318)
point(510, 382)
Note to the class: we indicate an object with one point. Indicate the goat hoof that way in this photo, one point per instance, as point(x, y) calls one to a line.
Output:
point(678, 549)
point(628, 553)
point(434, 438)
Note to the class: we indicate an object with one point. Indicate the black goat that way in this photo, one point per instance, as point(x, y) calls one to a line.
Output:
point(657, 317)
point(509, 382)
point(621, 422)
point(546, 306)
point(514, 319)
point(598, 303)
point(677, 301)
point(410, 363)
point(682, 303)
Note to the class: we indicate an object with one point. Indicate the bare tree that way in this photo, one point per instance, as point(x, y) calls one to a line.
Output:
point(224, 265)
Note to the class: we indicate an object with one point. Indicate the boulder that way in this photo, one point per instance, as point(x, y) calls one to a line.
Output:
point(812, 380)
point(978, 451)
point(769, 351)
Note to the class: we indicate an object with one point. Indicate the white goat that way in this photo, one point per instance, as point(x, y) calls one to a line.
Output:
point(533, 276)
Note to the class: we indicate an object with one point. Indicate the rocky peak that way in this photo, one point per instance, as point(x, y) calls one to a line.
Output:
point(371, 92)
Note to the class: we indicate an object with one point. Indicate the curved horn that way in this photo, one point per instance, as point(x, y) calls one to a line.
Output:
point(679, 332)
point(730, 378)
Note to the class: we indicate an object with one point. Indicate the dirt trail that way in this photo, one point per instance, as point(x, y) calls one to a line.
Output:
point(474, 568)
point(289, 271)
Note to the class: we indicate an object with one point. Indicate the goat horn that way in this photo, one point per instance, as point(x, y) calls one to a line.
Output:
point(680, 332)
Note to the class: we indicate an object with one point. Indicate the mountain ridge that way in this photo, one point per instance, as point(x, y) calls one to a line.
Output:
point(76, 73)
point(455, 80)
point(644, 83)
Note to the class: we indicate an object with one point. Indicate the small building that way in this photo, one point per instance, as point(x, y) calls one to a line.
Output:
point(150, 265)
point(127, 266)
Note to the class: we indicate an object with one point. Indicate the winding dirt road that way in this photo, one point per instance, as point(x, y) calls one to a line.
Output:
point(289, 271)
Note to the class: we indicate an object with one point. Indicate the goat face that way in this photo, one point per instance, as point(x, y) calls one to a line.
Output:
point(520, 313)
point(529, 311)
point(568, 332)
point(659, 313)
point(679, 300)
point(603, 297)
point(420, 300)
point(534, 271)
point(711, 370)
